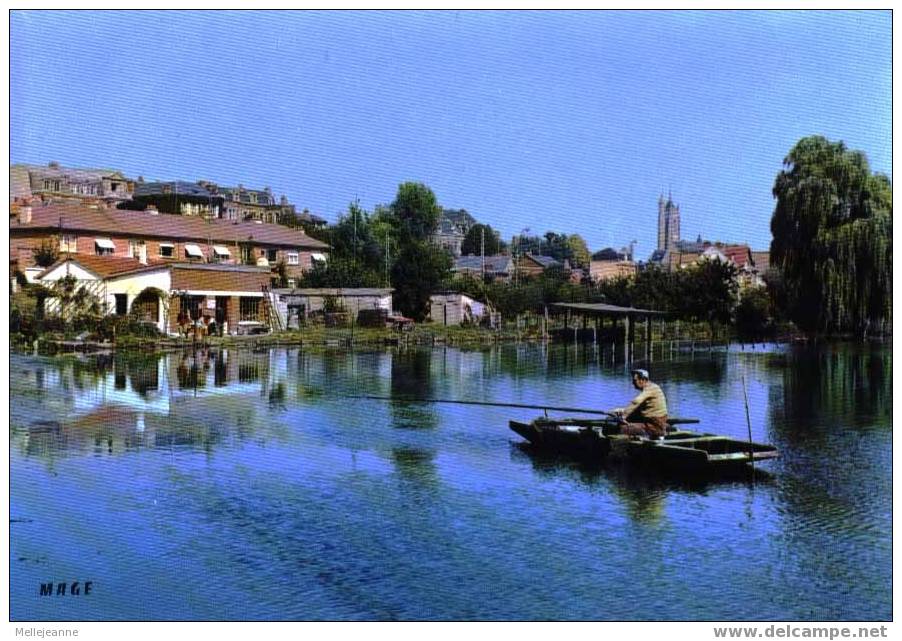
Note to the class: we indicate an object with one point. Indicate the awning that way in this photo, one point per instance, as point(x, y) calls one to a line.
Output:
point(166, 245)
point(219, 250)
point(104, 243)
point(193, 251)
point(316, 256)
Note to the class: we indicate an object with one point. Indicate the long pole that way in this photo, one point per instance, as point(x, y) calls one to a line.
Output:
point(491, 404)
point(748, 420)
point(483, 253)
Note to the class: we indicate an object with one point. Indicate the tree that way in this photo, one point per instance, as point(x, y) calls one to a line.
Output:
point(832, 239)
point(418, 271)
point(472, 244)
point(608, 253)
point(47, 252)
point(579, 251)
point(418, 267)
point(341, 272)
point(416, 211)
point(753, 312)
point(708, 292)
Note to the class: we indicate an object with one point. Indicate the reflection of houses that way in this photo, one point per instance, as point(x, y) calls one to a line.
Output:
point(29, 182)
point(159, 293)
point(456, 309)
point(148, 237)
point(500, 267)
point(296, 305)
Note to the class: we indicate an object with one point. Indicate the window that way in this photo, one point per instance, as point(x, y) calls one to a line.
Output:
point(293, 258)
point(292, 283)
point(136, 248)
point(221, 252)
point(68, 243)
point(121, 304)
point(193, 251)
point(167, 250)
point(247, 255)
point(51, 185)
point(272, 255)
point(248, 309)
point(104, 247)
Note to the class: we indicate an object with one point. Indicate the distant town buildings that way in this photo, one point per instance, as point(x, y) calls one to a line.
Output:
point(668, 223)
point(51, 181)
point(452, 229)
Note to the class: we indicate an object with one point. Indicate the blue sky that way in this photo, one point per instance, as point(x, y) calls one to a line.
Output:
point(565, 121)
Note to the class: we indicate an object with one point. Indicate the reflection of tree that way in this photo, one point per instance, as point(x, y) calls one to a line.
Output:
point(189, 371)
point(411, 378)
point(848, 386)
point(415, 464)
point(277, 396)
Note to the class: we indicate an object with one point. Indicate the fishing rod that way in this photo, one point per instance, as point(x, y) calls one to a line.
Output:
point(449, 401)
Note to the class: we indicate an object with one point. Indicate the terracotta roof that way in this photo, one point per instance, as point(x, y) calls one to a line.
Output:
point(761, 259)
point(739, 254)
point(105, 266)
point(163, 226)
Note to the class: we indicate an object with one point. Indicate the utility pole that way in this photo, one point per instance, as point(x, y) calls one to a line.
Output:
point(387, 280)
point(483, 253)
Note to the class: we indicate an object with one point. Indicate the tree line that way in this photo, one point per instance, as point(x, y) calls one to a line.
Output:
point(831, 256)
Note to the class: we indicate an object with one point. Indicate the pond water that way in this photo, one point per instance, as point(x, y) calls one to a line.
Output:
point(247, 485)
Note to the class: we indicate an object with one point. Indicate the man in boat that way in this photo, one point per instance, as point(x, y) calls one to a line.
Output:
point(646, 415)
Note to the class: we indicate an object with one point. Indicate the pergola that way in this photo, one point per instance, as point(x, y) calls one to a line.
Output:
point(602, 311)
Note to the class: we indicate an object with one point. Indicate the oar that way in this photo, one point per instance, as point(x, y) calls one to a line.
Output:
point(581, 410)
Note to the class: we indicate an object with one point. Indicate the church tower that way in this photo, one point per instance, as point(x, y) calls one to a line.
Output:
point(668, 223)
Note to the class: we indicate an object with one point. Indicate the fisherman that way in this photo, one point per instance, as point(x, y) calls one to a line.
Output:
point(646, 415)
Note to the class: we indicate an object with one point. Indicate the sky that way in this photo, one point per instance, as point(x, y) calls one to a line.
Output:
point(574, 122)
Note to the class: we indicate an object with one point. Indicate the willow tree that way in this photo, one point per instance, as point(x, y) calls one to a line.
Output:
point(832, 239)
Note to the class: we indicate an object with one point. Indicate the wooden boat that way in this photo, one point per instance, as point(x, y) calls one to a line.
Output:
point(680, 450)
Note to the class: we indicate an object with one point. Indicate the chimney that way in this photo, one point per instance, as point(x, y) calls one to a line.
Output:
point(25, 214)
point(53, 164)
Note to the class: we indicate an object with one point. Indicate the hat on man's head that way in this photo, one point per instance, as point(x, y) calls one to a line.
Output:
point(641, 373)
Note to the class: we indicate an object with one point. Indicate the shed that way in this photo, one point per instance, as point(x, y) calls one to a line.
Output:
point(296, 305)
point(456, 309)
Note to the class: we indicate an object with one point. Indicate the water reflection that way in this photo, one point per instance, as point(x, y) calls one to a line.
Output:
point(411, 377)
point(256, 465)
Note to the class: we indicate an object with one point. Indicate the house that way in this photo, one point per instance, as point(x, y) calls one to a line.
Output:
point(148, 236)
point(453, 308)
point(530, 265)
point(296, 305)
point(54, 182)
point(452, 228)
point(498, 267)
point(160, 292)
point(602, 270)
point(179, 197)
point(241, 203)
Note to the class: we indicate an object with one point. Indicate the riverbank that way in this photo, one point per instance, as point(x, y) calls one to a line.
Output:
point(313, 336)
point(681, 336)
